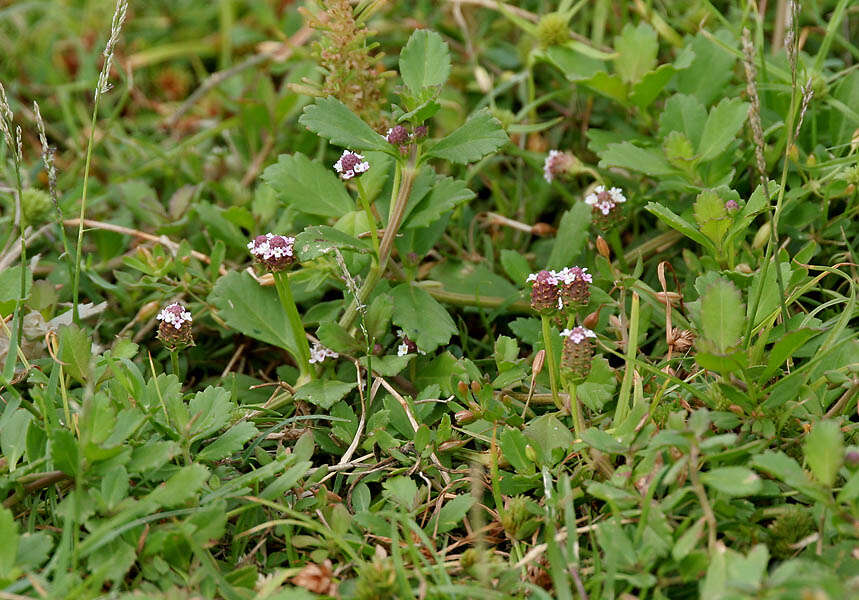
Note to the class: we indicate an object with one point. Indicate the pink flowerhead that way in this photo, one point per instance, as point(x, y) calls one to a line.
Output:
point(397, 135)
point(543, 276)
point(276, 252)
point(351, 164)
point(605, 200)
point(569, 275)
point(174, 331)
point(579, 334)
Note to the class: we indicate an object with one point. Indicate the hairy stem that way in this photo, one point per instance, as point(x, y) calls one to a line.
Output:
point(553, 364)
point(284, 292)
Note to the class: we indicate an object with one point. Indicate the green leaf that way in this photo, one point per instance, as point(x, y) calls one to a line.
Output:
point(783, 349)
point(733, 481)
point(667, 216)
point(114, 486)
point(210, 411)
point(446, 194)
point(723, 124)
point(513, 445)
point(180, 487)
point(685, 114)
point(609, 85)
point(331, 119)
point(308, 186)
point(423, 319)
point(574, 65)
point(636, 49)
point(548, 433)
point(13, 436)
point(785, 468)
point(9, 547)
point(452, 513)
point(630, 156)
point(76, 354)
point(712, 216)
point(687, 542)
point(324, 394)
point(824, 451)
point(65, 452)
point(251, 309)
point(315, 241)
point(480, 135)
point(645, 91)
point(515, 265)
point(571, 237)
point(332, 335)
point(230, 441)
point(401, 490)
point(722, 315)
point(424, 61)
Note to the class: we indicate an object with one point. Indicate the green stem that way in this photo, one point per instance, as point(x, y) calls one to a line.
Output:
point(371, 218)
point(553, 364)
point(403, 179)
point(281, 281)
point(79, 246)
point(576, 409)
point(623, 405)
point(174, 361)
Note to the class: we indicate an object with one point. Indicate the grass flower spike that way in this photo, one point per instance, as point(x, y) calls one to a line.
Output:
point(351, 164)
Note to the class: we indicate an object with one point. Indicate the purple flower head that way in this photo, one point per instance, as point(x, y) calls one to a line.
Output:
point(578, 352)
point(276, 252)
point(397, 135)
point(569, 275)
point(421, 132)
point(556, 164)
point(731, 205)
point(544, 291)
point(575, 286)
point(351, 164)
point(175, 327)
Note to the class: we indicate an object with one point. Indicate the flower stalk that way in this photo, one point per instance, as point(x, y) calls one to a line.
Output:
point(553, 363)
point(284, 292)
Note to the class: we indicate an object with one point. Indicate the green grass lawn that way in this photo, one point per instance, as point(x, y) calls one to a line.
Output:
point(433, 299)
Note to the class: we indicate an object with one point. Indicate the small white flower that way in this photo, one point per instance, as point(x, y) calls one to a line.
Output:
point(175, 314)
point(578, 334)
point(604, 199)
point(568, 275)
point(551, 277)
point(402, 349)
point(319, 353)
point(351, 164)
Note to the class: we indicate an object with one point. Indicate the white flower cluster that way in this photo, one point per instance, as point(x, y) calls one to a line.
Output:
point(578, 334)
point(174, 314)
point(604, 199)
point(351, 164)
point(271, 246)
point(319, 353)
point(568, 275)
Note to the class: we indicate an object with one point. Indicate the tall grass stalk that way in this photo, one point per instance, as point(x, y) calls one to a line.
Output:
point(102, 87)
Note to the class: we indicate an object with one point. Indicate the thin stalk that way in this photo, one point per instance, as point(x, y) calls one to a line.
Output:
point(284, 292)
point(622, 409)
point(371, 218)
point(550, 358)
point(403, 179)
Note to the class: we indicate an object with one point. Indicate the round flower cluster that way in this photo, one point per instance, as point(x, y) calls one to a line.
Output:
point(276, 252)
point(318, 353)
point(551, 290)
point(351, 164)
point(175, 327)
point(578, 352)
point(605, 203)
point(407, 346)
point(557, 163)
